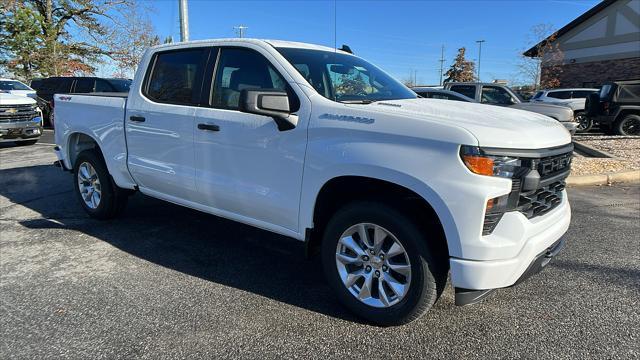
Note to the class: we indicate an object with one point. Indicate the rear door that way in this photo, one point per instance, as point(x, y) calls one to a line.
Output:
point(160, 124)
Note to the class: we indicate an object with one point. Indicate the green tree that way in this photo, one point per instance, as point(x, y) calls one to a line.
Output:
point(61, 37)
point(462, 70)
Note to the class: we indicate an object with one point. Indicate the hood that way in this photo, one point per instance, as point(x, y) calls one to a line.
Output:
point(493, 126)
point(561, 112)
point(10, 99)
point(29, 93)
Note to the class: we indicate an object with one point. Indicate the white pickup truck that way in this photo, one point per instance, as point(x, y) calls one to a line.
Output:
point(319, 145)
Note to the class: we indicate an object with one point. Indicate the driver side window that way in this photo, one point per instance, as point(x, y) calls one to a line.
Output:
point(240, 69)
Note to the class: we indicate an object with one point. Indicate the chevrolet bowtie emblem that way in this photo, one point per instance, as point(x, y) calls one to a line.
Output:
point(11, 111)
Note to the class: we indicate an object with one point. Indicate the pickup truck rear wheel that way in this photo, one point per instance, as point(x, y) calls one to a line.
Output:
point(96, 191)
point(585, 123)
point(380, 265)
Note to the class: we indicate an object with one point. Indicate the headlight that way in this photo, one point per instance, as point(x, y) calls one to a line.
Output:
point(489, 165)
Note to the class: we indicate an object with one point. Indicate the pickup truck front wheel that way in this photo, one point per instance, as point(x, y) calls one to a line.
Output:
point(379, 264)
point(98, 195)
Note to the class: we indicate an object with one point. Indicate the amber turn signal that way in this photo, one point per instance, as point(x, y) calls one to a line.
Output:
point(479, 164)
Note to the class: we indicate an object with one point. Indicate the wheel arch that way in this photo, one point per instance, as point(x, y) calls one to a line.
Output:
point(414, 198)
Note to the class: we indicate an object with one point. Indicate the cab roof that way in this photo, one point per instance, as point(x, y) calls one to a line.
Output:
point(274, 43)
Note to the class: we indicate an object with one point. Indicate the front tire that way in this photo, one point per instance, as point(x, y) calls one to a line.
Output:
point(97, 193)
point(380, 264)
point(628, 125)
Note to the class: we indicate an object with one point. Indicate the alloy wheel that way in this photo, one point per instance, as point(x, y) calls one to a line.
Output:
point(89, 185)
point(373, 265)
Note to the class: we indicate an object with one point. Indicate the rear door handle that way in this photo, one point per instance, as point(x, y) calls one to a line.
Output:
point(137, 118)
point(210, 127)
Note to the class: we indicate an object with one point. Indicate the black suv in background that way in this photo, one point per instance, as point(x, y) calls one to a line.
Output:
point(45, 88)
point(616, 107)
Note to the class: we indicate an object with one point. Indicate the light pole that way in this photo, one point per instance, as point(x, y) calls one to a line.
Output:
point(240, 30)
point(184, 21)
point(479, 56)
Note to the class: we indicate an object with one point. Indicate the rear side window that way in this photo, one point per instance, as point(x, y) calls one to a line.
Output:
point(466, 90)
point(559, 94)
point(176, 77)
point(629, 93)
point(64, 86)
point(581, 94)
point(84, 86)
point(103, 86)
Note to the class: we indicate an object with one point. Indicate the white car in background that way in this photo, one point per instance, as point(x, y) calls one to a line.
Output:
point(574, 98)
point(15, 87)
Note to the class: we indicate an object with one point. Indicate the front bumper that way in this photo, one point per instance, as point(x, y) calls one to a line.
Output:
point(572, 127)
point(530, 237)
point(21, 131)
point(466, 296)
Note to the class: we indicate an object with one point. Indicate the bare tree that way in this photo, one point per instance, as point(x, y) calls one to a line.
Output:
point(542, 71)
point(133, 34)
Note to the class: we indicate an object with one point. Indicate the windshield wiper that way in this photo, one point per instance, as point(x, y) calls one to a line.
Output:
point(363, 101)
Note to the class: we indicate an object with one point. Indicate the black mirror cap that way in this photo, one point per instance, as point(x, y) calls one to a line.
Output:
point(268, 102)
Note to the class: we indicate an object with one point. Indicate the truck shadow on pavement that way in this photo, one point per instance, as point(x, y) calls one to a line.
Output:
point(185, 240)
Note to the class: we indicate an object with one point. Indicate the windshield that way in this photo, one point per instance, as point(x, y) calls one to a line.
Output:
point(121, 85)
point(13, 85)
point(345, 78)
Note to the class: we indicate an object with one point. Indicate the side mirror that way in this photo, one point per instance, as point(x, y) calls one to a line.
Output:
point(274, 103)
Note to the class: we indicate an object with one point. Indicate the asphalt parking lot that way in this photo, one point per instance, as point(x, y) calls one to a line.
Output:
point(169, 282)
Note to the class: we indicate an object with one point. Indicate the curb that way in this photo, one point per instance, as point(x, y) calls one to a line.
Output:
point(591, 150)
point(630, 177)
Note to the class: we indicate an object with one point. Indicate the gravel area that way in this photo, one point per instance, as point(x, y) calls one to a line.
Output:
point(626, 149)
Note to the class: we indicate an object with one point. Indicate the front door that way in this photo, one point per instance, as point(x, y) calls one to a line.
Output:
point(246, 168)
point(159, 124)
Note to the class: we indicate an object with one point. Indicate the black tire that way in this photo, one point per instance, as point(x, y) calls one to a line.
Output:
point(27, 142)
point(585, 123)
point(429, 269)
point(628, 125)
point(113, 199)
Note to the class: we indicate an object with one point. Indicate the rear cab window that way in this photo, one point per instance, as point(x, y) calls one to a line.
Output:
point(176, 76)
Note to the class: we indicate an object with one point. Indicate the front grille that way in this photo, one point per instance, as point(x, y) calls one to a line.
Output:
point(17, 113)
point(541, 201)
point(552, 165)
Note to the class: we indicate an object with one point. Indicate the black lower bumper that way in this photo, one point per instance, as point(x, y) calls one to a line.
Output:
point(467, 296)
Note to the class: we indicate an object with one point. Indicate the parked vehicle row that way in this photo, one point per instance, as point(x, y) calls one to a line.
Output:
point(320, 145)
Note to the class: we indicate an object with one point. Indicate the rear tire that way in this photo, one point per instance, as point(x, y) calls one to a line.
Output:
point(98, 195)
point(424, 283)
point(628, 125)
point(584, 122)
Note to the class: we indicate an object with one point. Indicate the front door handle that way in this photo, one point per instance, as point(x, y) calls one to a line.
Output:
point(210, 127)
point(137, 118)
